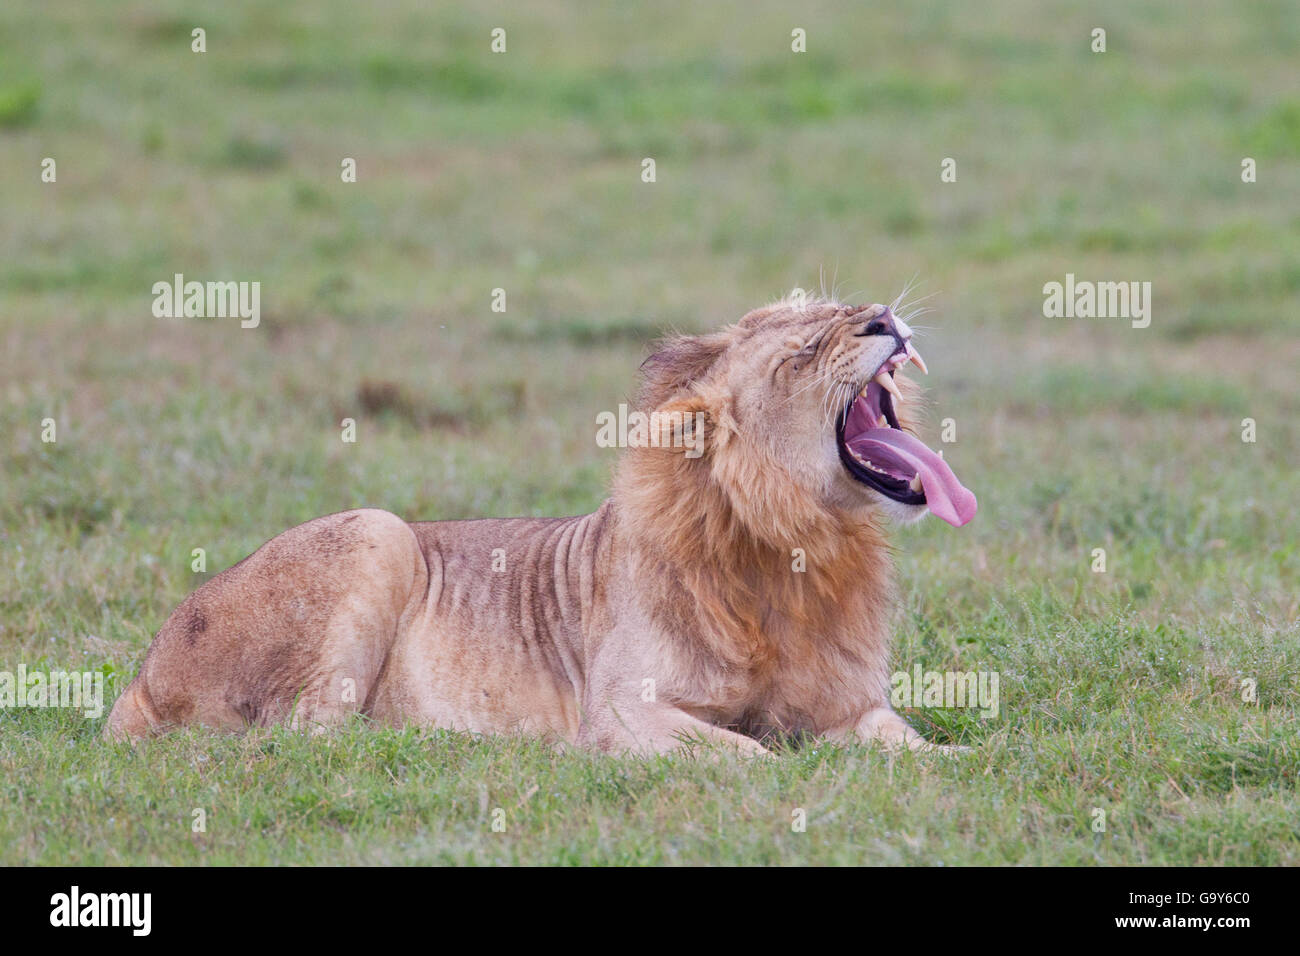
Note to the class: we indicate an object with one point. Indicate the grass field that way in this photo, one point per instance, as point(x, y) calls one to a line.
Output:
point(1120, 691)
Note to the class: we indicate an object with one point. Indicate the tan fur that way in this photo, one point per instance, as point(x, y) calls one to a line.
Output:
point(673, 611)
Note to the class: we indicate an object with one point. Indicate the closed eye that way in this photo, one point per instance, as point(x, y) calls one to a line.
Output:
point(800, 357)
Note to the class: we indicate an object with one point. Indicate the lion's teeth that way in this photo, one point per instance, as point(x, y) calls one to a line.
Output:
point(886, 381)
point(882, 422)
point(915, 356)
point(915, 483)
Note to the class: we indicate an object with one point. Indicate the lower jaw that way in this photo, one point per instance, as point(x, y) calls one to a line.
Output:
point(895, 489)
point(905, 497)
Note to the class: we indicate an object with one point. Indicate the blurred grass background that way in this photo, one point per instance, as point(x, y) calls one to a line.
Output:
point(522, 171)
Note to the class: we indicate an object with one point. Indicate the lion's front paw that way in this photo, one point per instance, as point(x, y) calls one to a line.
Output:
point(885, 727)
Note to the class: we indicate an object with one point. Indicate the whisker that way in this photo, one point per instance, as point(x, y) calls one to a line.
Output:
point(903, 295)
point(821, 379)
point(826, 402)
point(915, 313)
point(845, 396)
point(910, 306)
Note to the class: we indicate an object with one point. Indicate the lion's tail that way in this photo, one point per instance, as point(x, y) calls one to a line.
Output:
point(133, 716)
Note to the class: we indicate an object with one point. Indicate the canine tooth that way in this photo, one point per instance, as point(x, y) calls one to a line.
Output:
point(883, 422)
point(915, 356)
point(886, 381)
point(915, 483)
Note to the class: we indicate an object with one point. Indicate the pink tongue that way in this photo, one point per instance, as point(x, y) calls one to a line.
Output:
point(897, 450)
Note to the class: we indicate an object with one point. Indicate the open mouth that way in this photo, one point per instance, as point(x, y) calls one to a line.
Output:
point(877, 452)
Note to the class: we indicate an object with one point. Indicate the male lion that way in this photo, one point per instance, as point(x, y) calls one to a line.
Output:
point(736, 586)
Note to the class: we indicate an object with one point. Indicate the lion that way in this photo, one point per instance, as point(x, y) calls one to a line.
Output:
point(735, 588)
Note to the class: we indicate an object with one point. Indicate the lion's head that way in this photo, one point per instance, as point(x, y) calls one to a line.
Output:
point(798, 413)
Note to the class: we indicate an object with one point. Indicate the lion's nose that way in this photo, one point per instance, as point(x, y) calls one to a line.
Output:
point(884, 322)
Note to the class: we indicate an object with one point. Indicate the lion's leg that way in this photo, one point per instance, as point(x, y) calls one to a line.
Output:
point(647, 728)
point(882, 725)
point(298, 632)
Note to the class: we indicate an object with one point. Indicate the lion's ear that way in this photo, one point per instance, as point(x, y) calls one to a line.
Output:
point(695, 423)
point(679, 363)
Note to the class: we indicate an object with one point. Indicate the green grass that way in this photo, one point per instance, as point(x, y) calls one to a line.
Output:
point(1120, 691)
